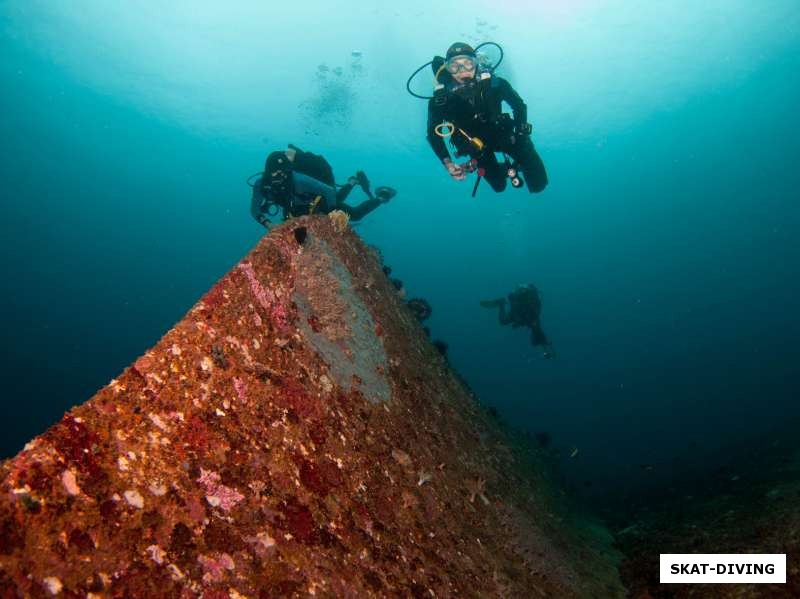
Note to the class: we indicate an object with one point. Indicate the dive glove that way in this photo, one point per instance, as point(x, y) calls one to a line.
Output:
point(361, 177)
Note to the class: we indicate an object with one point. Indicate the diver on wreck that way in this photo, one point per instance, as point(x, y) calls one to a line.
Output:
point(297, 183)
point(524, 310)
point(466, 108)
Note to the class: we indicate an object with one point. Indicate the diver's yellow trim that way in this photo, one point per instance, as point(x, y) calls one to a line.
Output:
point(477, 141)
point(314, 204)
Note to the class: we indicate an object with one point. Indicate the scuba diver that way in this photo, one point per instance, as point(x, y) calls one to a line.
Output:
point(466, 108)
point(524, 308)
point(298, 183)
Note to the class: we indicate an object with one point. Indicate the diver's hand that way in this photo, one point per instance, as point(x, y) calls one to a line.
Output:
point(352, 181)
point(523, 129)
point(456, 170)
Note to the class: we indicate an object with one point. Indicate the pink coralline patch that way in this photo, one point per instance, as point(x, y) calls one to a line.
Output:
point(279, 316)
point(241, 389)
point(217, 494)
point(265, 298)
point(215, 566)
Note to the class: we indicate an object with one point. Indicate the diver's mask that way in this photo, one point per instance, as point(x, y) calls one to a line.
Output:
point(460, 63)
point(280, 184)
point(278, 176)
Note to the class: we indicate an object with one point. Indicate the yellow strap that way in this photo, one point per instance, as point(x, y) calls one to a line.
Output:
point(314, 204)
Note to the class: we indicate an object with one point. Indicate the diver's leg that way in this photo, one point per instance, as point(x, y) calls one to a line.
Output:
point(360, 211)
point(494, 172)
point(343, 192)
point(529, 162)
point(538, 338)
point(537, 334)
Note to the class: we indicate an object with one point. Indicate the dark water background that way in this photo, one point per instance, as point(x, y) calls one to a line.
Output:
point(665, 247)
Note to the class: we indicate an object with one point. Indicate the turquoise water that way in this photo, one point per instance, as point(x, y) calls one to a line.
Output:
point(664, 246)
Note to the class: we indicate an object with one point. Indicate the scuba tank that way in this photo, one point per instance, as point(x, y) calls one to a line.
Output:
point(313, 165)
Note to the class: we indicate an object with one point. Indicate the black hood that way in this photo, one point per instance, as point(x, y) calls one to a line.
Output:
point(458, 49)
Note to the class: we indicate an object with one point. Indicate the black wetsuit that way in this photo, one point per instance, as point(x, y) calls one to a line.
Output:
point(476, 107)
point(524, 309)
point(303, 200)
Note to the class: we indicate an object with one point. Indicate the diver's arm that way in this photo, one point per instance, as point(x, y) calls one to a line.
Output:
point(513, 99)
point(440, 149)
point(436, 142)
point(256, 201)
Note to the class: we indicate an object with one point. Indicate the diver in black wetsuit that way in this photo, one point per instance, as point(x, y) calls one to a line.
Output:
point(470, 99)
point(524, 309)
point(300, 183)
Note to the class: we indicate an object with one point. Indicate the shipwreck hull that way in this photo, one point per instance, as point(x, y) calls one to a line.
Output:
point(295, 434)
